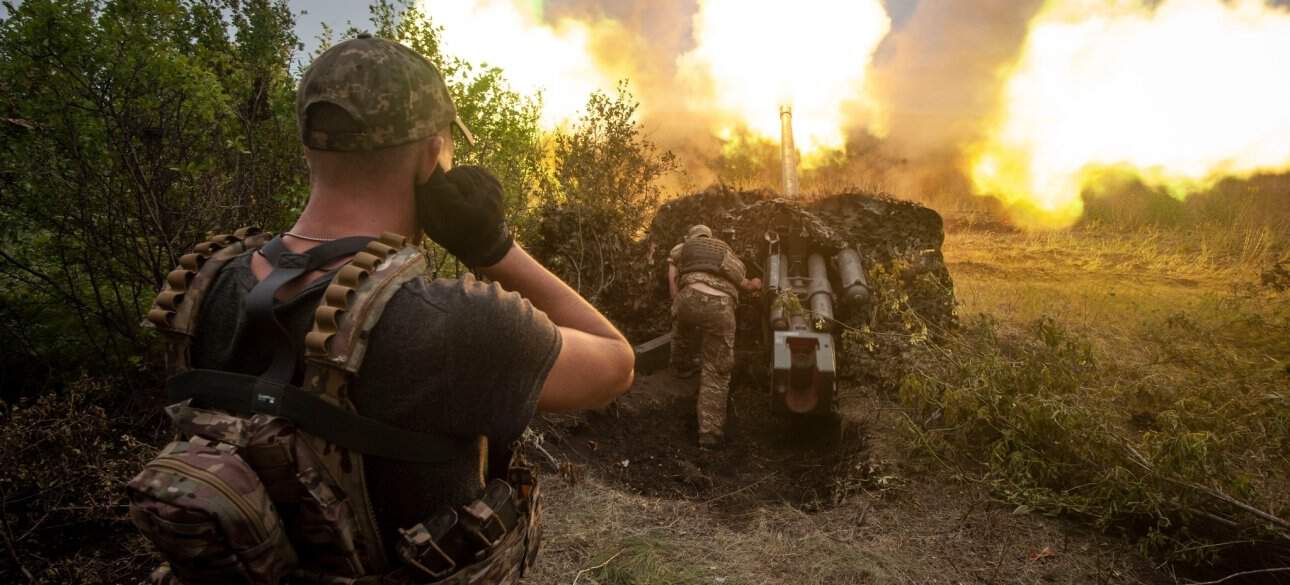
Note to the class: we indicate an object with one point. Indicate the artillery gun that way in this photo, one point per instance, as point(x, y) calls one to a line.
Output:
point(798, 311)
point(814, 257)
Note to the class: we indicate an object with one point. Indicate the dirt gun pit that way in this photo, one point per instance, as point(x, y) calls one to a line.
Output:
point(646, 444)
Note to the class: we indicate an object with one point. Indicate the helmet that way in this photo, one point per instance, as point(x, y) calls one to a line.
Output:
point(698, 231)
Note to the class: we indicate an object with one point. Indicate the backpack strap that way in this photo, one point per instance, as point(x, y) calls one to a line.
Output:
point(246, 396)
point(261, 304)
point(334, 351)
point(174, 312)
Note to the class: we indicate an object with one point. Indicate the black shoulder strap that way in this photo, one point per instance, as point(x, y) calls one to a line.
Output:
point(288, 266)
point(244, 395)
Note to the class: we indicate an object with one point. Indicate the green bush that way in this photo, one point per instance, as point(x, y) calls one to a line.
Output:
point(602, 191)
point(131, 130)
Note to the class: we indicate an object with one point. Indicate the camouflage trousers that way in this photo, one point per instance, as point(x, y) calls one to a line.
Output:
point(708, 321)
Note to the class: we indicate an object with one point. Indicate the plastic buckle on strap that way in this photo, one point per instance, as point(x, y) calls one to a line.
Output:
point(420, 546)
point(482, 524)
point(437, 566)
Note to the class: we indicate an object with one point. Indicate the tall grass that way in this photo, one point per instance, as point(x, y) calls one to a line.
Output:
point(1139, 380)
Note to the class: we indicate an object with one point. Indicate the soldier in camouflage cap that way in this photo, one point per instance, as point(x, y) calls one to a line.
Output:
point(450, 357)
point(393, 95)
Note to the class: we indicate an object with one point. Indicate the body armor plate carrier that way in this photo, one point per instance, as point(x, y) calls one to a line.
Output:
point(704, 255)
point(265, 483)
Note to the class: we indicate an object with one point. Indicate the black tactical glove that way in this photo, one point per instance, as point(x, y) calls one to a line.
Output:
point(462, 211)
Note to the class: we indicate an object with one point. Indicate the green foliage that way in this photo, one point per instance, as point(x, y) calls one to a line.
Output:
point(132, 129)
point(603, 188)
point(157, 123)
point(1177, 450)
point(1121, 198)
point(886, 346)
point(607, 159)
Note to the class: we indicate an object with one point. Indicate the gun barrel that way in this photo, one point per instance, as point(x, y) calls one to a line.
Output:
point(788, 152)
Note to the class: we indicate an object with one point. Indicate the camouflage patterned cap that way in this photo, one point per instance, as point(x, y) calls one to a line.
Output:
point(393, 95)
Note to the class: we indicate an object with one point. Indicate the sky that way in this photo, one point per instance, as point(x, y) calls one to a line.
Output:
point(337, 12)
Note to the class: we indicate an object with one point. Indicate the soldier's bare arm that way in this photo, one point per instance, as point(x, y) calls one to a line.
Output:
point(671, 279)
point(596, 364)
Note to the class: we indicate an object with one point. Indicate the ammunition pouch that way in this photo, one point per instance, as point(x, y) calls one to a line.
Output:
point(493, 539)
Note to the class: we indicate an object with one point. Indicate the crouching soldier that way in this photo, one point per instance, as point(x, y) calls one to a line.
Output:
point(704, 277)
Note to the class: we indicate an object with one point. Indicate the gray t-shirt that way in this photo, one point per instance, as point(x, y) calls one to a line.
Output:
point(448, 356)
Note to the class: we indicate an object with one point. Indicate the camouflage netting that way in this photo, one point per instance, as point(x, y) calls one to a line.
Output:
point(899, 240)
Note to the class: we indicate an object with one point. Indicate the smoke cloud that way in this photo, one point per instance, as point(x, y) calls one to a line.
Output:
point(917, 89)
point(939, 76)
point(931, 85)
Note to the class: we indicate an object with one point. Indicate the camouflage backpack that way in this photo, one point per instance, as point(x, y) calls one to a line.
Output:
point(265, 482)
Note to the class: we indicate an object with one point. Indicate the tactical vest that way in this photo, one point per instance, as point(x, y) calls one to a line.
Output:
point(704, 255)
point(265, 481)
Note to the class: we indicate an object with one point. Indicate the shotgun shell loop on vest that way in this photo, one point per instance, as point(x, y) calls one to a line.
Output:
point(342, 294)
point(174, 298)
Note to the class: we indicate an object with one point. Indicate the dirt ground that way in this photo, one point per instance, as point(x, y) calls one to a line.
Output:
point(638, 502)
